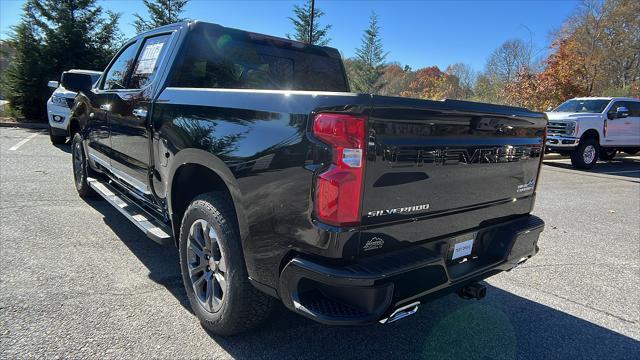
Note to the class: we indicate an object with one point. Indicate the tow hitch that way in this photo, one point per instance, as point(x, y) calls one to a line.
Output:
point(401, 313)
point(473, 291)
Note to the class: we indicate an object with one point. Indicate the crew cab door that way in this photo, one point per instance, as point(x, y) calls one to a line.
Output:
point(130, 130)
point(620, 131)
point(100, 101)
point(634, 119)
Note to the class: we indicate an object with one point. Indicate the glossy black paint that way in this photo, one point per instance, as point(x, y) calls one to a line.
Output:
point(90, 109)
point(372, 287)
point(464, 167)
point(258, 145)
point(262, 138)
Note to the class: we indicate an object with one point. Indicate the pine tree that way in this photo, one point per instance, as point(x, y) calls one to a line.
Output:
point(21, 82)
point(55, 36)
point(161, 12)
point(302, 23)
point(369, 65)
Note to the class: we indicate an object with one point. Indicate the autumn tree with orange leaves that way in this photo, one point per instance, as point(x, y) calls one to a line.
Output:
point(562, 79)
point(432, 83)
point(596, 54)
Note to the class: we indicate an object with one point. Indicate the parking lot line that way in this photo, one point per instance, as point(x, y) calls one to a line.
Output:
point(22, 142)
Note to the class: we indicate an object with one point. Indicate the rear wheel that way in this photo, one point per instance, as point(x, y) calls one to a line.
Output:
point(607, 154)
point(585, 155)
point(56, 139)
point(81, 169)
point(214, 271)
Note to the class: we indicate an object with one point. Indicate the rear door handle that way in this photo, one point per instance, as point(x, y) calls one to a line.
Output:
point(141, 113)
point(105, 107)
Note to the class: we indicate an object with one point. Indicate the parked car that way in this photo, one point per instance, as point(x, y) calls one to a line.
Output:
point(61, 100)
point(249, 153)
point(594, 128)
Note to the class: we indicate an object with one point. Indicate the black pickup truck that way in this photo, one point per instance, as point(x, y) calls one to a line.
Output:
point(278, 184)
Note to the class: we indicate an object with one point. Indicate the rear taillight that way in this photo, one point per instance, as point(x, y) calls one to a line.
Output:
point(339, 188)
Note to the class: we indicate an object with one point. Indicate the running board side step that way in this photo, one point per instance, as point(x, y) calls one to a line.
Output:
point(152, 227)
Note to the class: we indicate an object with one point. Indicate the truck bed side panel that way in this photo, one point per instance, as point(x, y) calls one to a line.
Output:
point(261, 136)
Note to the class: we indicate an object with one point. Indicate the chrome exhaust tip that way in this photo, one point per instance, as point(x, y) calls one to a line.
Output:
point(401, 313)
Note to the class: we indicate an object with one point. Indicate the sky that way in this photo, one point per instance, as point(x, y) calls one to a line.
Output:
point(418, 33)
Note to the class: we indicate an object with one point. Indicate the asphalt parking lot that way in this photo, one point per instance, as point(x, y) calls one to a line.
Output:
point(78, 281)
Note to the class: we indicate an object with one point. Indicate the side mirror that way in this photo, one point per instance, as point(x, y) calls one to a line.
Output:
point(622, 112)
point(549, 108)
point(53, 84)
point(76, 82)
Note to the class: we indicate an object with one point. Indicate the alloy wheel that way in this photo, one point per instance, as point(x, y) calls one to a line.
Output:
point(589, 154)
point(78, 162)
point(206, 264)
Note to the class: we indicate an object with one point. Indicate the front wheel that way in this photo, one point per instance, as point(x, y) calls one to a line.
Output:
point(213, 269)
point(585, 155)
point(81, 168)
point(607, 154)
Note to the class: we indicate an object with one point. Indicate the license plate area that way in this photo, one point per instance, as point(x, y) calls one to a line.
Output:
point(462, 248)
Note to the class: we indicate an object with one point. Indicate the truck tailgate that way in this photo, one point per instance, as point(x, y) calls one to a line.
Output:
point(441, 167)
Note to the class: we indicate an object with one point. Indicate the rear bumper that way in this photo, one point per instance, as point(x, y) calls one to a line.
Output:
point(369, 290)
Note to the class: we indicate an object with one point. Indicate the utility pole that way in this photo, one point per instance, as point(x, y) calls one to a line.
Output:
point(311, 23)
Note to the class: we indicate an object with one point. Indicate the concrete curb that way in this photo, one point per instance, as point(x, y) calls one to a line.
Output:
point(41, 126)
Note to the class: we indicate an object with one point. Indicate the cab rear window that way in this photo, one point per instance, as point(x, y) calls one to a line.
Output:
point(215, 58)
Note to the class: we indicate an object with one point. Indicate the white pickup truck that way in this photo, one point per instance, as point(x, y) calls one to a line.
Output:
point(594, 128)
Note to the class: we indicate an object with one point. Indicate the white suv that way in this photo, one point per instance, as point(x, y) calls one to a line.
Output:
point(60, 103)
point(594, 128)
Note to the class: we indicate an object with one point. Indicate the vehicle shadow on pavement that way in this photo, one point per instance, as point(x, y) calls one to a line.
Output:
point(162, 261)
point(66, 147)
point(501, 326)
point(619, 166)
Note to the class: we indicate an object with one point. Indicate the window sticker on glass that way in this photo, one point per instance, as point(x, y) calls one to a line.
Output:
point(149, 58)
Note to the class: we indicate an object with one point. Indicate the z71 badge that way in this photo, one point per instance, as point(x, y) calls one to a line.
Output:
point(399, 211)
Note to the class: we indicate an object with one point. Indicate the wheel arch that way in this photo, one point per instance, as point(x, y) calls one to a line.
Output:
point(74, 126)
point(204, 172)
point(591, 134)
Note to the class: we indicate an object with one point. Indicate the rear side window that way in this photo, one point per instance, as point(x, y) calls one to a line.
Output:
point(148, 61)
point(213, 58)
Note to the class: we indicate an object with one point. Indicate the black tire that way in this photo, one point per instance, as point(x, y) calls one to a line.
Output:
point(631, 151)
point(234, 305)
point(585, 155)
point(56, 139)
point(81, 169)
point(607, 154)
